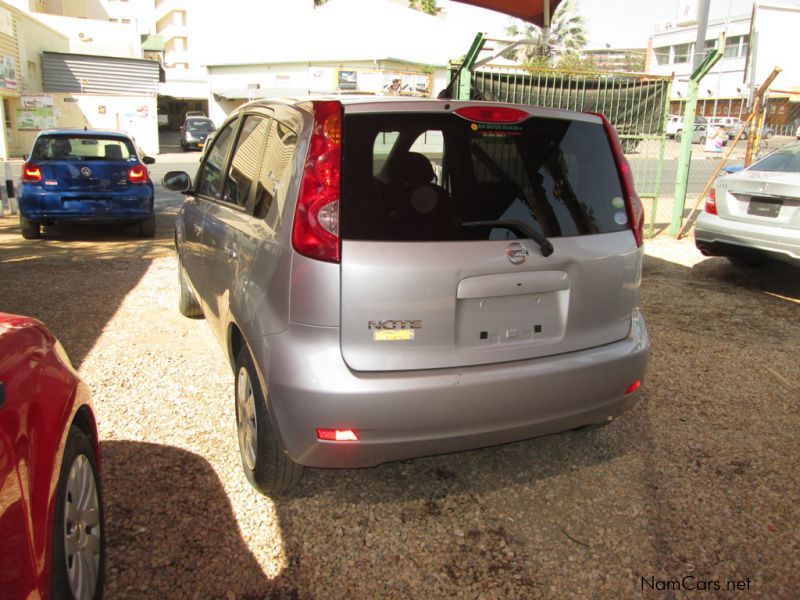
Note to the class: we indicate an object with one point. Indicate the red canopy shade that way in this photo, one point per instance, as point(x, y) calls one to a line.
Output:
point(527, 10)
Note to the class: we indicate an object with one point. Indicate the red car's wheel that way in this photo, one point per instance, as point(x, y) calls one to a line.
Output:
point(78, 536)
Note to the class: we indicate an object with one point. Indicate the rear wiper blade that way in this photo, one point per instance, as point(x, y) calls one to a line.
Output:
point(519, 227)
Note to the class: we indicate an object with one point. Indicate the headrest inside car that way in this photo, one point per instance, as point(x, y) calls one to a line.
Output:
point(411, 167)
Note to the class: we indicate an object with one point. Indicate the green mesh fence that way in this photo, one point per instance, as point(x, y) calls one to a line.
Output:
point(635, 104)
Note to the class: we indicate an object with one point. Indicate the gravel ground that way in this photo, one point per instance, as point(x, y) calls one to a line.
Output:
point(701, 479)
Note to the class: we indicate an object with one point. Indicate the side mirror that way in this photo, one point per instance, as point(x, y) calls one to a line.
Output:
point(177, 181)
point(148, 160)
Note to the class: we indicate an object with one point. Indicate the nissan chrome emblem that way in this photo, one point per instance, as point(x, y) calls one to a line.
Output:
point(86, 171)
point(516, 253)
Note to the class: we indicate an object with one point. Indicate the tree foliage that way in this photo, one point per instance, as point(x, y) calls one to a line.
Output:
point(567, 33)
point(426, 6)
point(319, 2)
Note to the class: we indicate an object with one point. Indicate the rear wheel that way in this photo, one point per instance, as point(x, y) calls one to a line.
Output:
point(31, 230)
point(188, 305)
point(702, 140)
point(147, 228)
point(78, 536)
point(266, 465)
point(678, 136)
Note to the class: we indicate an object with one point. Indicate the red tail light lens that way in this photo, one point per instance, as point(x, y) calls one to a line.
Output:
point(316, 219)
point(31, 173)
point(632, 200)
point(492, 114)
point(337, 435)
point(137, 174)
point(711, 202)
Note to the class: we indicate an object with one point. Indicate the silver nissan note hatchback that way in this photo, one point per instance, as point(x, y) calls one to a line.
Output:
point(397, 278)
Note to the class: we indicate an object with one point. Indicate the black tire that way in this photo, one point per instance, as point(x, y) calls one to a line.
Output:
point(31, 230)
point(77, 445)
point(678, 136)
point(273, 472)
point(147, 228)
point(188, 305)
point(702, 140)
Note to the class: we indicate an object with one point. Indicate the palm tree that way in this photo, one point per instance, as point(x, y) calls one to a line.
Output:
point(426, 6)
point(567, 33)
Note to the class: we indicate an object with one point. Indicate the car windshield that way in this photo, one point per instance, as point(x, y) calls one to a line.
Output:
point(202, 125)
point(82, 147)
point(785, 160)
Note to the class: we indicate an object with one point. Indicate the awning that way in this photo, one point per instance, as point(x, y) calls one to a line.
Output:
point(527, 10)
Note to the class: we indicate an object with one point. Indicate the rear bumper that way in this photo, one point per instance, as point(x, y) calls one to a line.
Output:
point(131, 205)
point(401, 415)
point(724, 237)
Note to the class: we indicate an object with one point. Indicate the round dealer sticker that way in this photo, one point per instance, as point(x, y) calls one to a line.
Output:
point(620, 218)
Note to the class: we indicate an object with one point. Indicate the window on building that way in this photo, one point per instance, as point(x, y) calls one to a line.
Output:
point(683, 53)
point(126, 20)
point(709, 45)
point(662, 55)
point(736, 46)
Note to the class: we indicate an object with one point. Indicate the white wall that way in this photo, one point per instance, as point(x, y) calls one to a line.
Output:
point(100, 38)
point(778, 29)
point(34, 37)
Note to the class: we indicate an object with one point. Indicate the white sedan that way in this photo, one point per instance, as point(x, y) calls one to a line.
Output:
point(755, 213)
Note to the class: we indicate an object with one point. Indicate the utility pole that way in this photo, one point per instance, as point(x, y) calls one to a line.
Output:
point(700, 40)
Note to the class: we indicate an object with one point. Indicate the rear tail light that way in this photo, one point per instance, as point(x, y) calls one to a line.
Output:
point(337, 435)
point(316, 219)
point(137, 174)
point(632, 201)
point(492, 114)
point(711, 202)
point(31, 173)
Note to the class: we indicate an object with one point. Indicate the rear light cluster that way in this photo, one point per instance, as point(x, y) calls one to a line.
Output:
point(138, 174)
point(632, 201)
point(711, 202)
point(31, 173)
point(316, 220)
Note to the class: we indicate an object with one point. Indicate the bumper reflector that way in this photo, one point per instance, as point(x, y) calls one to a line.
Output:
point(633, 387)
point(337, 435)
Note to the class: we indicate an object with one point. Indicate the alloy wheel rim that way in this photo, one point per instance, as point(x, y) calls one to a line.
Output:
point(246, 418)
point(82, 529)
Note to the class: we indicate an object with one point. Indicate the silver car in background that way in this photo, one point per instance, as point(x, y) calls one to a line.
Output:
point(394, 278)
point(755, 213)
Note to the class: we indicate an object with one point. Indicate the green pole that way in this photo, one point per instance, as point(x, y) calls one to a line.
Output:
point(682, 178)
point(465, 76)
point(684, 161)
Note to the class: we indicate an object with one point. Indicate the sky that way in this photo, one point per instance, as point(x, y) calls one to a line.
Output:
point(618, 23)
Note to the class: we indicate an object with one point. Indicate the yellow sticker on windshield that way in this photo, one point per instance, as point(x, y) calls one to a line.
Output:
point(393, 335)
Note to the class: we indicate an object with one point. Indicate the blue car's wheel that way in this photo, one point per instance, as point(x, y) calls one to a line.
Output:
point(31, 230)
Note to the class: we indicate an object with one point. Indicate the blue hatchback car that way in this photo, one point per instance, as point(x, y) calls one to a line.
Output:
point(85, 176)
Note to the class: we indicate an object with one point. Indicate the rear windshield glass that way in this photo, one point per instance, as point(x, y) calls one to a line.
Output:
point(202, 125)
point(72, 147)
point(786, 160)
point(421, 177)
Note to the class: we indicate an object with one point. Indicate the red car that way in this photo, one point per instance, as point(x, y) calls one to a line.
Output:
point(51, 513)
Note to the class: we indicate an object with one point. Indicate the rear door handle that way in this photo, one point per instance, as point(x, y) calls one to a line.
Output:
point(230, 251)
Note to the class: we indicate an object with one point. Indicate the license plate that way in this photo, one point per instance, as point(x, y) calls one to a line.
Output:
point(764, 207)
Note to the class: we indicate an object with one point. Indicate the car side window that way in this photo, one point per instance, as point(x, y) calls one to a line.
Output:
point(246, 160)
point(275, 170)
point(209, 181)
